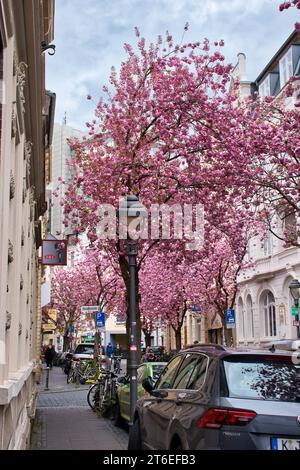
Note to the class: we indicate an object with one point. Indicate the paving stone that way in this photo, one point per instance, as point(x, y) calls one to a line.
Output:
point(65, 421)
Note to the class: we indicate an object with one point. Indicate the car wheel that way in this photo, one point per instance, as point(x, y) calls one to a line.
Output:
point(135, 442)
point(117, 418)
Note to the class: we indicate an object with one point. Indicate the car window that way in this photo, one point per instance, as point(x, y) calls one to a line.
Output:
point(263, 378)
point(141, 373)
point(156, 371)
point(84, 349)
point(167, 377)
point(185, 371)
point(198, 375)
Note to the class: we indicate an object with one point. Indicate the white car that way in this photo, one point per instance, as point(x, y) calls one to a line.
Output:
point(86, 351)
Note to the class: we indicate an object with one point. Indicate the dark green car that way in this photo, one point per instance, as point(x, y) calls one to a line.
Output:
point(147, 369)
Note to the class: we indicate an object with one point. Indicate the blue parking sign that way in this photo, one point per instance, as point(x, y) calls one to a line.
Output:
point(230, 318)
point(100, 320)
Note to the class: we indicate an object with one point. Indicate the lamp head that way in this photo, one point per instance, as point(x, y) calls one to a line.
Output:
point(295, 289)
point(133, 213)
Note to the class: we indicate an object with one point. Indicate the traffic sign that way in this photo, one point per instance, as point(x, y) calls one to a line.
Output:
point(100, 320)
point(296, 322)
point(90, 308)
point(230, 318)
point(295, 311)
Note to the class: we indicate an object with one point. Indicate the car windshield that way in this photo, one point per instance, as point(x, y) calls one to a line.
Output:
point(84, 349)
point(264, 378)
point(157, 370)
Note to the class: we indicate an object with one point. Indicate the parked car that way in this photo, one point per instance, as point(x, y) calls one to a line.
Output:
point(149, 370)
point(212, 397)
point(86, 351)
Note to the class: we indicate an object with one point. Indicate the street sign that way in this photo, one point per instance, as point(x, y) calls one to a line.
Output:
point(90, 308)
point(100, 320)
point(295, 311)
point(296, 322)
point(230, 318)
point(197, 308)
point(54, 252)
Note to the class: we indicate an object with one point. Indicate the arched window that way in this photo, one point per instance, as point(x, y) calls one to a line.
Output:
point(250, 319)
point(240, 319)
point(269, 314)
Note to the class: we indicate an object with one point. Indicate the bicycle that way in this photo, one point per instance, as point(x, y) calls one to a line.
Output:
point(117, 364)
point(102, 394)
point(82, 372)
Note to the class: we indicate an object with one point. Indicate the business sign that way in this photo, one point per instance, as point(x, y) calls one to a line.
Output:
point(295, 311)
point(54, 252)
point(90, 308)
point(100, 320)
point(230, 318)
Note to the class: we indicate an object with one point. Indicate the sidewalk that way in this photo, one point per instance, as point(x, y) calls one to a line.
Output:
point(64, 420)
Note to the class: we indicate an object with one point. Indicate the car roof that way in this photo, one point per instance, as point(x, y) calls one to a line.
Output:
point(220, 351)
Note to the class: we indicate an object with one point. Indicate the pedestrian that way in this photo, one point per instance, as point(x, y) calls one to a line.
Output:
point(109, 350)
point(50, 355)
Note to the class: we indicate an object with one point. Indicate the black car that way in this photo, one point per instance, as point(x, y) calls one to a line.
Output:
point(212, 397)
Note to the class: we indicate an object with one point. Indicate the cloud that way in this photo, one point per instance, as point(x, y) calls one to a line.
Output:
point(90, 34)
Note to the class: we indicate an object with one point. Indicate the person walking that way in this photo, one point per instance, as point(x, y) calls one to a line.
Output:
point(109, 350)
point(49, 355)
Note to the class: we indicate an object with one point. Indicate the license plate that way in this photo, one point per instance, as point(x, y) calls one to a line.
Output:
point(282, 443)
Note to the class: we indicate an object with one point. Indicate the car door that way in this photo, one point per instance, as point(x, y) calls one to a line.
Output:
point(124, 395)
point(157, 410)
point(191, 398)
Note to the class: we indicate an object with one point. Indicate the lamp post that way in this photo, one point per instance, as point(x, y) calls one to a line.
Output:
point(132, 213)
point(295, 291)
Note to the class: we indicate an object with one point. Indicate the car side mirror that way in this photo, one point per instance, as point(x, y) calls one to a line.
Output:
point(147, 385)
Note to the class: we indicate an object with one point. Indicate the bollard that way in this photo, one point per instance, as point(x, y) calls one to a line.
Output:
point(47, 379)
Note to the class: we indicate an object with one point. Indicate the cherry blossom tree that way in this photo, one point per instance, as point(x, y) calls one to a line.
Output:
point(168, 131)
point(286, 5)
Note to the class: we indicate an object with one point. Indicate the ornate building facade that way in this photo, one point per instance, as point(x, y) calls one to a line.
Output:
point(26, 113)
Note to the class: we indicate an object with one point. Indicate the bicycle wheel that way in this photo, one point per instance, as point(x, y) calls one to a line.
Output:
point(71, 377)
point(94, 396)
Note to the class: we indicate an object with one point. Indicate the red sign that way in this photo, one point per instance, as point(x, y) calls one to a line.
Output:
point(54, 252)
point(133, 347)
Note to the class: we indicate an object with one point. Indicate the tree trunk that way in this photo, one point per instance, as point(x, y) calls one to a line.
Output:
point(96, 347)
point(66, 346)
point(178, 338)
point(147, 338)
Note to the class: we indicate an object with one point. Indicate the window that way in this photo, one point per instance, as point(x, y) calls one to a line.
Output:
point(290, 228)
point(268, 244)
point(250, 319)
point(141, 373)
point(269, 314)
point(264, 88)
point(186, 369)
point(198, 376)
point(167, 378)
point(241, 321)
point(262, 378)
point(286, 68)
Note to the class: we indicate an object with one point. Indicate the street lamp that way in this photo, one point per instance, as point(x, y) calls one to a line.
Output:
point(295, 292)
point(133, 214)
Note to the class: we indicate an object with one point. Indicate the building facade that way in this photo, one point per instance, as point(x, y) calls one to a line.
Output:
point(26, 118)
point(264, 301)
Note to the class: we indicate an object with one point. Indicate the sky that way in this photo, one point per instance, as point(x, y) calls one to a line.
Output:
point(89, 38)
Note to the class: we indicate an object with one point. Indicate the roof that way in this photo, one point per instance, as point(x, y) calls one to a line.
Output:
point(290, 40)
point(222, 351)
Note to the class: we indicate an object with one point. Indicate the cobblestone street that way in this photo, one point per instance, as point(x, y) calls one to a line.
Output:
point(64, 420)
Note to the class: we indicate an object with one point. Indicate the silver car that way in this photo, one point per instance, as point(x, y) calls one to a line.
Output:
point(212, 397)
